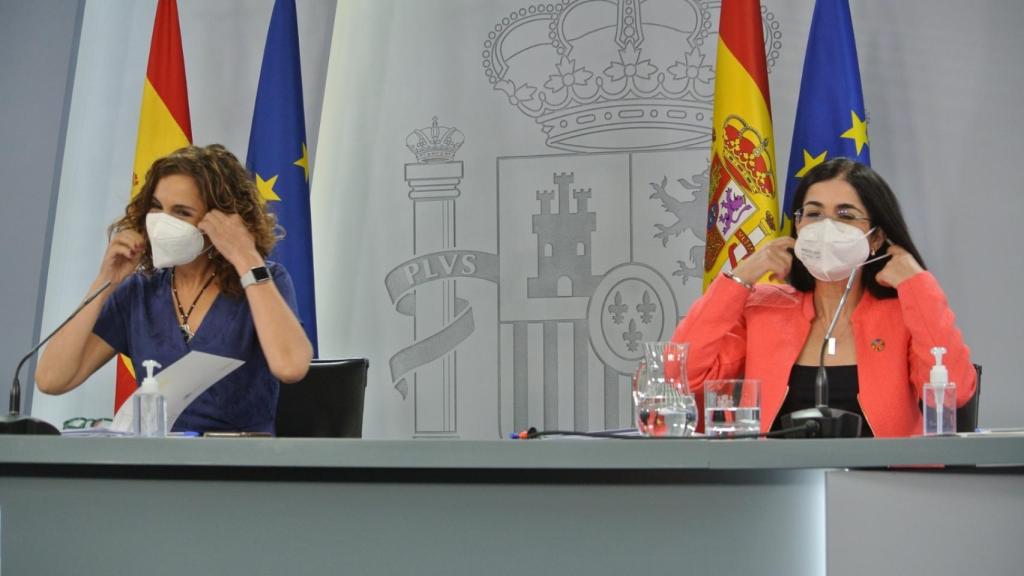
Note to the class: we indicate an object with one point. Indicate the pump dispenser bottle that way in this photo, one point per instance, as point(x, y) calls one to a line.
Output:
point(150, 408)
point(939, 399)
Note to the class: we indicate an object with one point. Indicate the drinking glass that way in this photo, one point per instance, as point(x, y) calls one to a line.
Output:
point(732, 407)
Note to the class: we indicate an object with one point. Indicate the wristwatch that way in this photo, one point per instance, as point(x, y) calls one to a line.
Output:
point(255, 275)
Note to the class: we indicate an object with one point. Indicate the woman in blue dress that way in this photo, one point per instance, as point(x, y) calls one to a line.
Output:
point(187, 271)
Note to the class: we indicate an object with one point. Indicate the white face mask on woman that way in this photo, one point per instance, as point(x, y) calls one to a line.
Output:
point(831, 250)
point(174, 242)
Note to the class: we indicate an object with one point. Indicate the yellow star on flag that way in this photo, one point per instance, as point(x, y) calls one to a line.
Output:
point(858, 132)
point(266, 188)
point(811, 162)
point(303, 162)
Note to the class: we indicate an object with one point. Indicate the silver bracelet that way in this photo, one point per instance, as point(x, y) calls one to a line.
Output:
point(738, 280)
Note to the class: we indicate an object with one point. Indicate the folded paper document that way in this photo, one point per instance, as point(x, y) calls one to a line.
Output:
point(180, 383)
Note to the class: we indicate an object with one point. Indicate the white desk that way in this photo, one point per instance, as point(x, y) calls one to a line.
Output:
point(276, 506)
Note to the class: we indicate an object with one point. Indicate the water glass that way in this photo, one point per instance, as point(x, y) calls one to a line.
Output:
point(732, 407)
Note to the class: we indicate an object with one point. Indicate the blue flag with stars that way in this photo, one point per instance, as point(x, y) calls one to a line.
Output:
point(830, 118)
point(278, 158)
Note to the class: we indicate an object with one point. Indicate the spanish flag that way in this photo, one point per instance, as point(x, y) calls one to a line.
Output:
point(164, 126)
point(742, 199)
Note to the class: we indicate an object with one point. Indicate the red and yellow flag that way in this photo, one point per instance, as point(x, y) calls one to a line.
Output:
point(743, 203)
point(164, 126)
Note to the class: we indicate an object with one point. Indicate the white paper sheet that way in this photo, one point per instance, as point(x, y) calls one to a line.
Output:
point(180, 383)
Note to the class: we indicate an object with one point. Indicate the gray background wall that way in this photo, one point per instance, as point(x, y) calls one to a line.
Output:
point(38, 44)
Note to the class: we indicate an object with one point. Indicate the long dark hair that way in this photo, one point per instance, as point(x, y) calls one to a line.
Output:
point(882, 208)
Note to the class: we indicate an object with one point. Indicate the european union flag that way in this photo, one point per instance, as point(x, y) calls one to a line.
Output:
point(277, 155)
point(830, 116)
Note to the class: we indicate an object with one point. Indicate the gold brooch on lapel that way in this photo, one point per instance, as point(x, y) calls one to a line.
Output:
point(878, 344)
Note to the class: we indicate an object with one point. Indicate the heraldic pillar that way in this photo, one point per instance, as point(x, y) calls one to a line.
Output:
point(433, 188)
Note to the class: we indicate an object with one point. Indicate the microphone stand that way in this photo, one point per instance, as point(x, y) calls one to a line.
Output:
point(822, 421)
point(17, 423)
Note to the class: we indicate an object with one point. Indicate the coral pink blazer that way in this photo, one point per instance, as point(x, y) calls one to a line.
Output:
point(735, 333)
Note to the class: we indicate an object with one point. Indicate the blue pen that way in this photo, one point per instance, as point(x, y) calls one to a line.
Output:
point(184, 434)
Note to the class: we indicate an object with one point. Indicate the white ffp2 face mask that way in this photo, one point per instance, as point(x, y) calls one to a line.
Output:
point(831, 250)
point(174, 242)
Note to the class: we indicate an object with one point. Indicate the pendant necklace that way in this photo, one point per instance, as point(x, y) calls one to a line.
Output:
point(186, 330)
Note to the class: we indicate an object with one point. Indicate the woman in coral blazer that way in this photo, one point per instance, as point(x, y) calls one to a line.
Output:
point(880, 354)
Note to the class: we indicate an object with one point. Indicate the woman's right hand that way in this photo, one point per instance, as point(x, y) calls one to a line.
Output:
point(122, 257)
point(774, 258)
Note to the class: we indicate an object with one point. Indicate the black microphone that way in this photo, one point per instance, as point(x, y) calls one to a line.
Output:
point(15, 422)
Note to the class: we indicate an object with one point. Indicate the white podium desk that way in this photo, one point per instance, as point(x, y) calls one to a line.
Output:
point(319, 506)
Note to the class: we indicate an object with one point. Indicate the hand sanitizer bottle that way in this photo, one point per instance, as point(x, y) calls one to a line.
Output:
point(150, 410)
point(939, 399)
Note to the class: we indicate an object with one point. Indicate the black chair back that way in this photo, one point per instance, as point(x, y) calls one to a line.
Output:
point(327, 403)
point(967, 415)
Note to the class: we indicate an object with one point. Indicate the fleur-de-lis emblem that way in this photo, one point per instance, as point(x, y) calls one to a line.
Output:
point(646, 308)
point(632, 337)
point(618, 309)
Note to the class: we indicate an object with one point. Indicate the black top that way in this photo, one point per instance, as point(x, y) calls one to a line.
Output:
point(842, 393)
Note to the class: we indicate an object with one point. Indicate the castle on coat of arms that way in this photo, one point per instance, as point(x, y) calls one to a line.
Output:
point(563, 243)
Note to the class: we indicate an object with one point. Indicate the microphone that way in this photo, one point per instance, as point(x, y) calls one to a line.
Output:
point(15, 422)
point(821, 378)
point(827, 422)
point(822, 421)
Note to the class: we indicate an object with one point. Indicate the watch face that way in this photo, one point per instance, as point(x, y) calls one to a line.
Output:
point(260, 274)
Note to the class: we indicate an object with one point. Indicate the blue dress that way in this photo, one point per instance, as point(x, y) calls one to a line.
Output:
point(140, 320)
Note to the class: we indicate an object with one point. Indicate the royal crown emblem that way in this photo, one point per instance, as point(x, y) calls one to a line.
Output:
point(602, 75)
point(435, 143)
point(745, 149)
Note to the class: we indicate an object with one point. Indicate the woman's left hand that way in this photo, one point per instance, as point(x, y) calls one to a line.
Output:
point(901, 265)
point(232, 239)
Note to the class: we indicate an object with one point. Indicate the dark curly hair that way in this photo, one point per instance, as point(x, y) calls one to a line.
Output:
point(224, 184)
point(883, 210)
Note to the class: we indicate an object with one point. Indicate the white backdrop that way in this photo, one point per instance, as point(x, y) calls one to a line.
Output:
point(425, 266)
